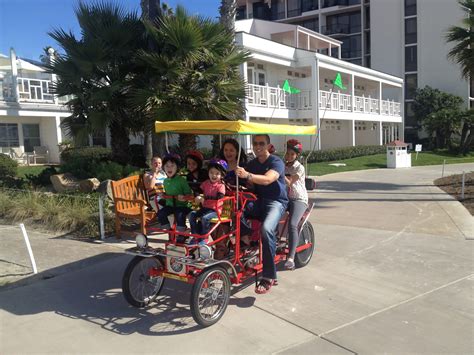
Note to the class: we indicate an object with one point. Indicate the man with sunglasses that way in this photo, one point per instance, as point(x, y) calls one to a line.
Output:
point(267, 174)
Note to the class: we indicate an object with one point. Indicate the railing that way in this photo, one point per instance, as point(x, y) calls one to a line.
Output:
point(335, 101)
point(29, 90)
point(34, 90)
point(275, 97)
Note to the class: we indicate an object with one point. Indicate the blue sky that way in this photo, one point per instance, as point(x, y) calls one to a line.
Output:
point(24, 23)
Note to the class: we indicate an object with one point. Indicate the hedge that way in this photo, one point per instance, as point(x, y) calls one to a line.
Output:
point(344, 153)
point(8, 167)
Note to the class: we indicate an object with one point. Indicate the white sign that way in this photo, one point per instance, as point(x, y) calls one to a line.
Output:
point(418, 148)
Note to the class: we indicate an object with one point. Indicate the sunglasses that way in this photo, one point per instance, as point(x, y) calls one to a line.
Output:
point(259, 143)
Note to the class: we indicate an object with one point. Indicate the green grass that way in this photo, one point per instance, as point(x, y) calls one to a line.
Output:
point(32, 170)
point(380, 161)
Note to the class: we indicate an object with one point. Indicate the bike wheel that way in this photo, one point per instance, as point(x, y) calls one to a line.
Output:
point(138, 287)
point(210, 296)
point(303, 257)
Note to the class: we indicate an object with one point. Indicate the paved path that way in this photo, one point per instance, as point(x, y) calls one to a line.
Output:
point(393, 273)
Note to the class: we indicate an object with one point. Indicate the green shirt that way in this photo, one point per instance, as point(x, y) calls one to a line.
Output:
point(177, 185)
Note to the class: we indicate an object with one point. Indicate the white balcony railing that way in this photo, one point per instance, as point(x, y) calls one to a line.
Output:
point(35, 90)
point(29, 90)
point(342, 102)
point(275, 97)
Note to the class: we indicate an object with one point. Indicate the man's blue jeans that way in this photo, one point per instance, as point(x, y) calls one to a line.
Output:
point(269, 212)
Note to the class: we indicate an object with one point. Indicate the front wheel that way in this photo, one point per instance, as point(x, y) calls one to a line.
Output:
point(303, 257)
point(140, 284)
point(210, 296)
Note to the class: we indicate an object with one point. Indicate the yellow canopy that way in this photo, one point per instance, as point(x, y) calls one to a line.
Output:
point(232, 127)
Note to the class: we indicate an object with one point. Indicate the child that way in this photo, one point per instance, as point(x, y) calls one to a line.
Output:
point(213, 189)
point(153, 181)
point(297, 194)
point(196, 174)
point(175, 185)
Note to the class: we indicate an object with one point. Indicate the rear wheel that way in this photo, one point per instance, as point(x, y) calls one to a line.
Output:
point(210, 296)
point(139, 286)
point(303, 257)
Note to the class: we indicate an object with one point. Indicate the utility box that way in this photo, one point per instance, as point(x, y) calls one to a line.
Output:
point(397, 155)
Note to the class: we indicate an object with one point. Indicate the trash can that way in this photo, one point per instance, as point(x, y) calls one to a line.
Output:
point(397, 155)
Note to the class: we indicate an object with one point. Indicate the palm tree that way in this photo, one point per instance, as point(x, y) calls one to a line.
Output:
point(227, 13)
point(96, 69)
point(194, 74)
point(463, 37)
point(463, 54)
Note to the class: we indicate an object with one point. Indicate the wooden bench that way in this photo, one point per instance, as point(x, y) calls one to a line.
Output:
point(131, 202)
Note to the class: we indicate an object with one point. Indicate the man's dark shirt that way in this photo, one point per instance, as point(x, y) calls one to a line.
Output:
point(277, 189)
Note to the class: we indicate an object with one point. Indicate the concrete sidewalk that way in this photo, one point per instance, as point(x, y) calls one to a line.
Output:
point(392, 273)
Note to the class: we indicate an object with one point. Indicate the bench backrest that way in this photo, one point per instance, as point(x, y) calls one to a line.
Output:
point(130, 188)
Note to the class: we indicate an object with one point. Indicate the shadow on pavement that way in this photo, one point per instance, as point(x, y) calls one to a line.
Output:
point(352, 186)
point(94, 295)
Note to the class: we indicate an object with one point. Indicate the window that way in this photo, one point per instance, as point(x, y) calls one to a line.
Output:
point(261, 11)
point(309, 5)
point(241, 13)
point(410, 7)
point(9, 135)
point(294, 8)
point(31, 136)
point(410, 119)
point(411, 84)
point(367, 43)
point(410, 58)
point(98, 139)
point(351, 47)
point(367, 61)
point(346, 23)
point(367, 17)
point(278, 9)
point(312, 24)
point(410, 31)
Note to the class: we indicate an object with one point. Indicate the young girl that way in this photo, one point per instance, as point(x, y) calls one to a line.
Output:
point(174, 185)
point(153, 181)
point(297, 194)
point(196, 174)
point(213, 189)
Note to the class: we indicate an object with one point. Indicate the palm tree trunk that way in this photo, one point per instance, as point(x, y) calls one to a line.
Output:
point(227, 13)
point(120, 142)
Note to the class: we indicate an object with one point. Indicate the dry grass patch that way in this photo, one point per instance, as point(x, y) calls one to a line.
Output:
point(453, 184)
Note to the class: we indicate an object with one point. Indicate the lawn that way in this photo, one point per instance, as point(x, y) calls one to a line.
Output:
point(31, 170)
point(380, 161)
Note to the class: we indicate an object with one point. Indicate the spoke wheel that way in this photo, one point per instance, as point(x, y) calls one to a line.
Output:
point(303, 257)
point(210, 296)
point(138, 287)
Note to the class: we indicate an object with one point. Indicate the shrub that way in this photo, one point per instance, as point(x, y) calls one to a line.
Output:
point(344, 153)
point(8, 167)
point(95, 154)
point(54, 212)
point(43, 178)
point(81, 161)
point(111, 170)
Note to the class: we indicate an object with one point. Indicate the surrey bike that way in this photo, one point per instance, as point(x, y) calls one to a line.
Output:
point(212, 268)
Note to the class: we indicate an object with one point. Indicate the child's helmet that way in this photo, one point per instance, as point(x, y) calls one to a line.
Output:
point(219, 164)
point(196, 156)
point(173, 157)
point(294, 145)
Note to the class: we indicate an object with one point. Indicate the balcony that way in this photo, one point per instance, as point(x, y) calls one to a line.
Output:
point(275, 97)
point(30, 90)
point(366, 105)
